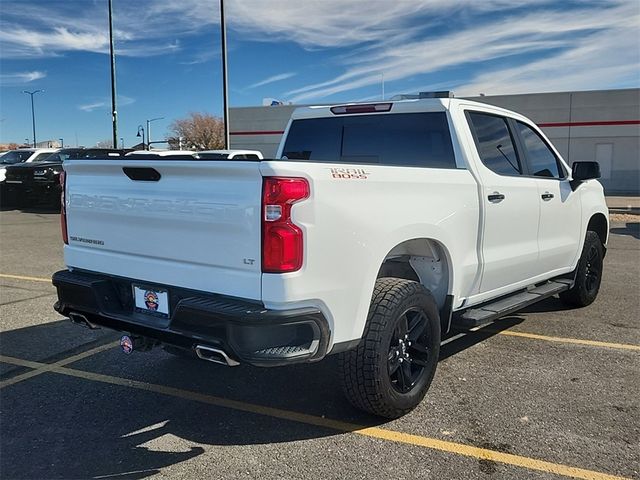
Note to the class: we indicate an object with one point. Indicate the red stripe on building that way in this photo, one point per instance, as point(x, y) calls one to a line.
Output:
point(258, 132)
point(589, 124)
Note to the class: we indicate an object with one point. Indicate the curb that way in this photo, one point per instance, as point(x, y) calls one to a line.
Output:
point(627, 211)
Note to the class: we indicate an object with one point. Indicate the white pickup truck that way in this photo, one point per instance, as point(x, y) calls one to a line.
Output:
point(378, 229)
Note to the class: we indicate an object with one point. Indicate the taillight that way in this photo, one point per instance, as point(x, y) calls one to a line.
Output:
point(63, 207)
point(282, 240)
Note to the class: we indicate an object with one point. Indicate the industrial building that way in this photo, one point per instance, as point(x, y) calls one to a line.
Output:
point(599, 125)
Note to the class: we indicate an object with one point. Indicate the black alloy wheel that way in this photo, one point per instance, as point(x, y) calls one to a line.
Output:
point(588, 274)
point(408, 351)
point(593, 269)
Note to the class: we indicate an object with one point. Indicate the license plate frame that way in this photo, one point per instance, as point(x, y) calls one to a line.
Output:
point(146, 296)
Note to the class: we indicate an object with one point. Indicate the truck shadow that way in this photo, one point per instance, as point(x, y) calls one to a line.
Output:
point(631, 228)
point(59, 426)
point(48, 208)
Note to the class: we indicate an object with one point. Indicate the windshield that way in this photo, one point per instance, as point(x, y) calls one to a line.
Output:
point(45, 157)
point(16, 156)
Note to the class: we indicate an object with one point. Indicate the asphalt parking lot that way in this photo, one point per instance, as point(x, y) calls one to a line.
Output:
point(546, 393)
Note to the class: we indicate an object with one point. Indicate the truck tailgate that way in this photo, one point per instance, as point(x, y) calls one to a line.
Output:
point(197, 226)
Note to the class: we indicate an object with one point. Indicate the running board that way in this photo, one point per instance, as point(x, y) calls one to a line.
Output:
point(495, 309)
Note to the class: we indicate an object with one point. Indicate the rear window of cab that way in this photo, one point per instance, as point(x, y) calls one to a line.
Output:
point(395, 139)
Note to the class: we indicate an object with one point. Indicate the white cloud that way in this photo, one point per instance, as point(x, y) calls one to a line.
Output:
point(105, 104)
point(599, 61)
point(558, 36)
point(52, 28)
point(19, 78)
point(273, 79)
point(90, 107)
point(340, 23)
point(410, 39)
point(201, 57)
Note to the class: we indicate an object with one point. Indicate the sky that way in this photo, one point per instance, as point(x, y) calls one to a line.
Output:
point(301, 51)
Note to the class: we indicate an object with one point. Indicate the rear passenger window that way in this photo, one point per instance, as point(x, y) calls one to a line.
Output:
point(542, 161)
point(401, 139)
point(494, 143)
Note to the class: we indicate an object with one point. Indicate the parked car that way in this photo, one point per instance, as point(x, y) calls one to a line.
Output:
point(19, 156)
point(22, 155)
point(161, 154)
point(230, 155)
point(198, 155)
point(378, 228)
point(38, 181)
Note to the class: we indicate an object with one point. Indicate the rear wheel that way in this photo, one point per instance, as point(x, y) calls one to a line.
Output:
point(588, 274)
point(390, 371)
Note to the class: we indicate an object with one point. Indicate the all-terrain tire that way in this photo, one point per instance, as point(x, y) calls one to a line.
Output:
point(588, 274)
point(367, 371)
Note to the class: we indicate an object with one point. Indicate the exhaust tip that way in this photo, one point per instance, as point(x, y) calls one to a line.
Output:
point(215, 355)
point(80, 319)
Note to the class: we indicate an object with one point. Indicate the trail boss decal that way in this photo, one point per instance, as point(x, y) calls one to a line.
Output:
point(349, 173)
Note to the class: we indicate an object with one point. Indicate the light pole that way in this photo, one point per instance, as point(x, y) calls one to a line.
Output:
point(149, 130)
point(33, 113)
point(223, 35)
point(141, 129)
point(112, 56)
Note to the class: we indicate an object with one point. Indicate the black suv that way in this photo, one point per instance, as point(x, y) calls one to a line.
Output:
point(39, 181)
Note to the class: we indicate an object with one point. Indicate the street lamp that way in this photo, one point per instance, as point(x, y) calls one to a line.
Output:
point(141, 129)
point(149, 130)
point(33, 113)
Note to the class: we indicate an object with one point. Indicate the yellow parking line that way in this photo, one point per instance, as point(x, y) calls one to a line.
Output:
point(40, 368)
point(373, 432)
point(22, 277)
point(576, 341)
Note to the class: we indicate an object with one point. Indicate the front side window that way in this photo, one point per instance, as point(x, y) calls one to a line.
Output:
point(542, 160)
point(397, 139)
point(494, 143)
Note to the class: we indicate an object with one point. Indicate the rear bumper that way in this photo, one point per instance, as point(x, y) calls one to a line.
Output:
point(245, 330)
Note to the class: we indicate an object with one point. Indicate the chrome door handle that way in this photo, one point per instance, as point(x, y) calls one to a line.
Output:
point(547, 196)
point(495, 197)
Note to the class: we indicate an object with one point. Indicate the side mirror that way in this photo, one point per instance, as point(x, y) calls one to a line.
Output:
point(582, 171)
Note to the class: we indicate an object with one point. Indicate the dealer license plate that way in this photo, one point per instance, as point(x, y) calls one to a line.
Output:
point(152, 300)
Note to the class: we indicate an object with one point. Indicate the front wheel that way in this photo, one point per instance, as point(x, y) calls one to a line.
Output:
point(390, 371)
point(588, 274)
